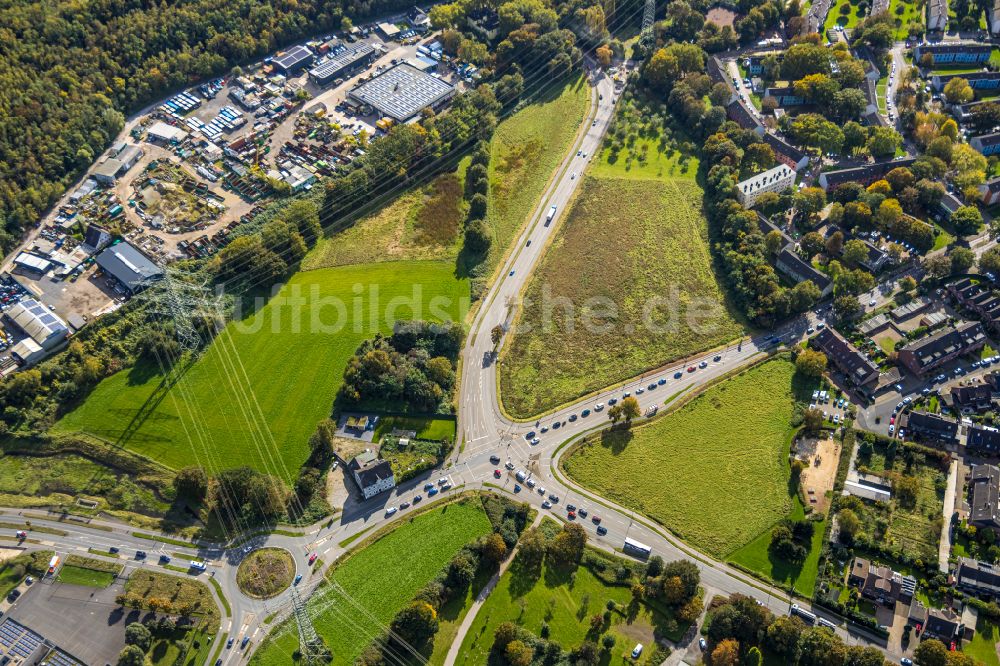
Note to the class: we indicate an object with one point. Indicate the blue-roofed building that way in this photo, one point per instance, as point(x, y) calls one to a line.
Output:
point(946, 53)
point(987, 144)
point(977, 80)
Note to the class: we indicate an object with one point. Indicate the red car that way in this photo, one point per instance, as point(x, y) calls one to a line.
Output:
point(953, 646)
point(892, 421)
point(496, 474)
point(571, 515)
point(691, 368)
point(595, 519)
point(312, 558)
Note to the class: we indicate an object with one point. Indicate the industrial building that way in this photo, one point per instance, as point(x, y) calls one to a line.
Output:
point(343, 64)
point(293, 59)
point(129, 267)
point(44, 330)
point(161, 132)
point(402, 92)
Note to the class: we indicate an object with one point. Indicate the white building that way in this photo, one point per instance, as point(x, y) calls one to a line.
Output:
point(937, 15)
point(778, 179)
point(38, 322)
point(372, 474)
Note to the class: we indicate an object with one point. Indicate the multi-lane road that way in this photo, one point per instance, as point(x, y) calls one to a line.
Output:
point(484, 431)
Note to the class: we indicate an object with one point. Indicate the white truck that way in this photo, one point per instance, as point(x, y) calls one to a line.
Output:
point(551, 215)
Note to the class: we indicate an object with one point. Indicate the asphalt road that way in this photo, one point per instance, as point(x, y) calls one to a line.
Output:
point(484, 431)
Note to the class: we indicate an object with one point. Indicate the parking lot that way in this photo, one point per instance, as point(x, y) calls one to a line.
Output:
point(97, 633)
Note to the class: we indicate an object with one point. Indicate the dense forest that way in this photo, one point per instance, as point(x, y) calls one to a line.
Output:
point(71, 71)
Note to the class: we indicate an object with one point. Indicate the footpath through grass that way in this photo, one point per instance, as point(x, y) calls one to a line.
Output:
point(627, 285)
point(565, 602)
point(372, 585)
point(286, 361)
point(715, 472)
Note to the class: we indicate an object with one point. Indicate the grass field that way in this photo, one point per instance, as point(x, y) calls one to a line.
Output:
point(983, 646)
point(527, 148)
point(426, 428)
point(904, 12)
point(715, 472)
point(422, 224)
point(286, 361)
point(265, 572)
point(166, 651)
point(409, 557)
point(756, 557)
point(40, 481)
point(566, 603)
point(74, 575)
point(848, 20)
point(627, 285)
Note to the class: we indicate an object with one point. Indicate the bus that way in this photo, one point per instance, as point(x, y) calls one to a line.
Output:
point(550, 216)
point(636, 548)
point(53, 564)
point(823, 622)
point(198, 566)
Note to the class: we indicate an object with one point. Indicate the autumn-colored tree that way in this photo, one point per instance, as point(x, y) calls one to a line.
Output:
point(726, 653)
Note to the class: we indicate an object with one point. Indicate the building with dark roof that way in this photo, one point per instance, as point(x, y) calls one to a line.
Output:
point(738, 111)
point(949, 204)
point(986, 144)
point(402, 92)
point(880, 583)
point(372, 474)
point(946, 53)
point(984, 497)
point(797, 270)
point(976, 80)
point(969, 399)
point(964, 113)
point(990, 191)
point(979, 578)
point(856, 367)
point(944, 624)
point(786, 153)
point(865, 175)
point(343, 64)
point(784, 96)
point(293, 60)
point(931, 352)
point(927, 427)
point(937, 15)
point(129, 267)
point(983, 439)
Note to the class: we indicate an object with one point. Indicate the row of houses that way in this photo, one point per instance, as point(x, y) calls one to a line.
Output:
point(929, 353)
point(938, 430)
point(864, 174)
point(979, 299)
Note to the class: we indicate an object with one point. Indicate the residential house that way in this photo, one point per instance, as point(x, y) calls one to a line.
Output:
point(913, 307)
point(931, 352)
point(784, 96)
point(969, 399)
point(976, 80)
point(868, 87)
point(741, 114)
point(979, 578)
point(984, 497)
point(990, 190)
point(952, 53)
point(880, 583)
point(786, 153)
point(928, 427)
point(943, 624)
point(797, 270)
point(754, 63)
point(986, 144)
point(856, 367)
point(372, 474)
point(964, 113)
point(937, 15)
point(983, 439)
point(777, 179)
point(875, 325)
point(865, 175)
point(949, 204)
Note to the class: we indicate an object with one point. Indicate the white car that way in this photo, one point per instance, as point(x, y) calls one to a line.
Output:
point(391, 510)
point(872, 302)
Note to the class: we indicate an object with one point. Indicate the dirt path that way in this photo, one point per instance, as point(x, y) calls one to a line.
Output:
point(470, 617)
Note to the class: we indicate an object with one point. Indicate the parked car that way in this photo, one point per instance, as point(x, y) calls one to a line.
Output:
point(601, 530)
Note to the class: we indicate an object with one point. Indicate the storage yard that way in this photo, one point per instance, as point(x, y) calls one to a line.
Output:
point(184, 174)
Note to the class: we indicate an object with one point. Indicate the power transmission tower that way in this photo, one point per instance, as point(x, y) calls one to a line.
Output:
point(311, 647)
point(176, 297)
point(648, 15)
